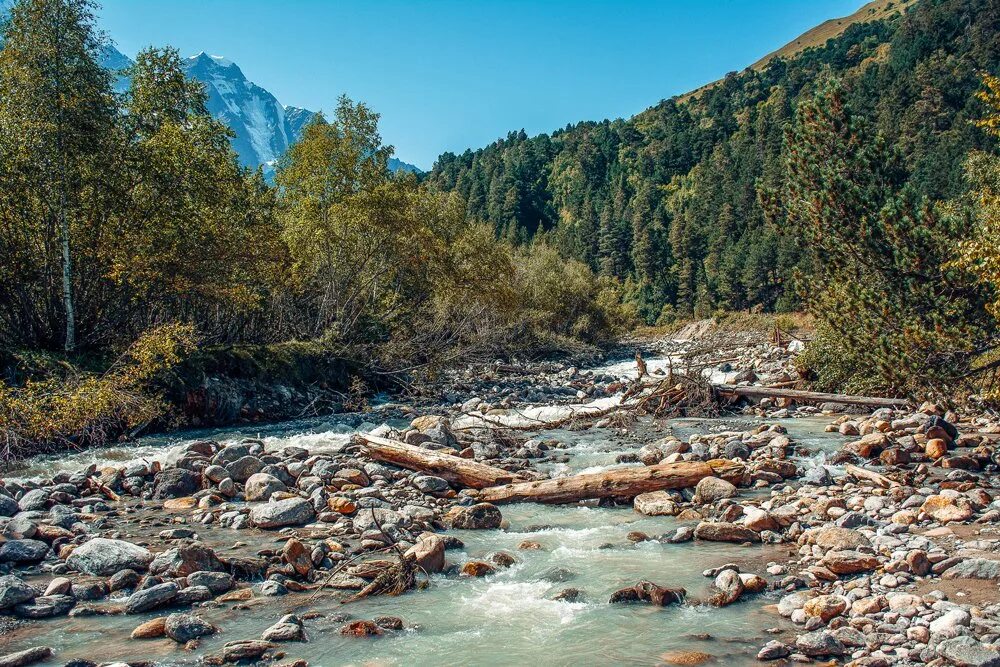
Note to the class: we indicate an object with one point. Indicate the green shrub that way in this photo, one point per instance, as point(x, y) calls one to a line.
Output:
point(83, 409)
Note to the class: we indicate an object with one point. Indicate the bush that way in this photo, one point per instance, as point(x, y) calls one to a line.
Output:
point(82, 409)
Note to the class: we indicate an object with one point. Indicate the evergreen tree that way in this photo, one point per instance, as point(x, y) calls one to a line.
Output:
point(901, 313)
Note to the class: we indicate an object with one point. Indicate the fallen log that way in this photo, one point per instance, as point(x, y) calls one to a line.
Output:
point(618, 483)
point(458, 471)
point(809, 396)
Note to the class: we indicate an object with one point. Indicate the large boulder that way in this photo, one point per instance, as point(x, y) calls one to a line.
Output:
point(428, 553)
point(974, 568)
point(23, 551)
point(834, 537)
point(656, 503)
point(182, 628)
point(184, 560)
point(151, 598)
point(14, 590)
point(968, 652)
point(261, 486)
point(288, 512)
point(175, 483)
point(947, 508)
point(483, 516)
point(244, 468)
point(725, 532)
point(103, 557)
point(712, 489)
point(849, 562)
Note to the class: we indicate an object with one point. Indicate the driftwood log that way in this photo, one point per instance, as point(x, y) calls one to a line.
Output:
point(464, 473)
point(809, 396)
point(618, 483)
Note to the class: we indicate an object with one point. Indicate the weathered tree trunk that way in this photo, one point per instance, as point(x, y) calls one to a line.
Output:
point(810, 396)
point(619, 483)
point(458, 471)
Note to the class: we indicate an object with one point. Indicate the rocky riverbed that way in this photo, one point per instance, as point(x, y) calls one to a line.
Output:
point(220, 548)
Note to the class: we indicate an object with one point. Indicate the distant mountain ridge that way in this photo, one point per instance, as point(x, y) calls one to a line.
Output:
point(264, 127)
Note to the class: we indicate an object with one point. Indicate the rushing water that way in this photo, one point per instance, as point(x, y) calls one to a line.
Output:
point(508, 618)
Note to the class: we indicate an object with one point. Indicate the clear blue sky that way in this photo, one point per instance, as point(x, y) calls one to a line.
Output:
point(454, 74)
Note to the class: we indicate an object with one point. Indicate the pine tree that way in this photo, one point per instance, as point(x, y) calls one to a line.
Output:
point(905, 318)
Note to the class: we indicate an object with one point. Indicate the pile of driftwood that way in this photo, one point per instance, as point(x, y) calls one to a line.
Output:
point(497, 485)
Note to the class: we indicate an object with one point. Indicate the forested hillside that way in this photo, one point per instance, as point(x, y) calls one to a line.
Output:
point(669, 201)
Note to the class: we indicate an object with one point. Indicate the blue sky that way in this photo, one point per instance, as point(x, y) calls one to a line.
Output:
point(451, 75)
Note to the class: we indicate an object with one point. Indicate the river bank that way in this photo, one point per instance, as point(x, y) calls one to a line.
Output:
point(205, 542)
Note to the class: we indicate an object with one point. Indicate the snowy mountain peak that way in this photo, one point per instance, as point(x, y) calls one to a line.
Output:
point(264, 128)
point(221, 61)
point(255, 115)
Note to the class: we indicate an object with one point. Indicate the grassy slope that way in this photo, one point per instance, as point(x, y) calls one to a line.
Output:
point(818, 36)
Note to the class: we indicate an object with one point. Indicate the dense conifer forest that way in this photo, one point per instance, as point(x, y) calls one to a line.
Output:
point(673, 201)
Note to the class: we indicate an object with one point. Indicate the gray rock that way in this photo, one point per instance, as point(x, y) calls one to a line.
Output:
point(192, 595)
point(819, 643)
point(150, 598)
point(482, 516)
point(217, 582)
point(20, 528)
point(967, 652)
point(103, 557)
point(8, 506)
point(26, 657)
point(430, 484)
point(272, 588)
point(736, 450)
point(974, 568)
point(712, 489)
point(23, 551)
point(260, 486)
point(243, 468)
point(46, 606)
point(14, 590)
point(187, 559)
point(89, 590)
point(182, 628)
point(730, 587)
point(682, 534)
point(36, 499)
point(774, 650)
point(373, 517)
point(855, 520)
point(288, 512)
point(235, 452)
point(817, 476)
point(123, 580)
point(175, 483)
point(288, 629)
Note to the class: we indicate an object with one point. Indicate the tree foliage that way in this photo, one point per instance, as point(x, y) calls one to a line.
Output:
point(668, 201)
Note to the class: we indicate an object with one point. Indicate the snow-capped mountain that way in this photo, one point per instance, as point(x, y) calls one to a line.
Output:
point(264, 128)
point(263, 132)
